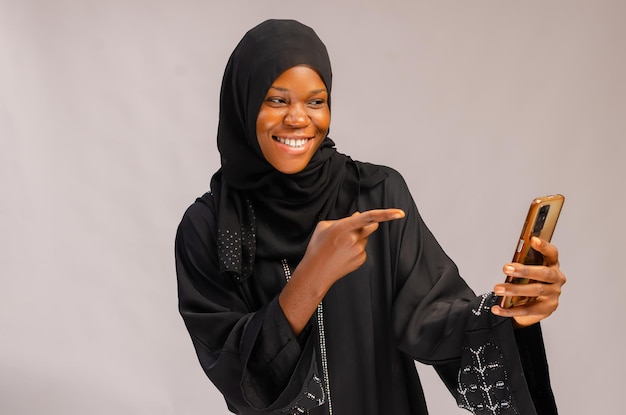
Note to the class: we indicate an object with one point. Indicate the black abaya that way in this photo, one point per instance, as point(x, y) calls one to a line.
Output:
point(406, 303)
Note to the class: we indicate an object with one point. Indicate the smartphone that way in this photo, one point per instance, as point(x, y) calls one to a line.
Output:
point(541, 219)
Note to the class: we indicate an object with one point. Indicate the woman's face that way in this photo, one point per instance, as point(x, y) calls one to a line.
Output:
point(293, 119)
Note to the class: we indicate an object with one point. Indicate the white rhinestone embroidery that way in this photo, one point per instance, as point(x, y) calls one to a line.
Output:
point(236, 249)
point(324, 359)
point(486, 392)
point(479, 310)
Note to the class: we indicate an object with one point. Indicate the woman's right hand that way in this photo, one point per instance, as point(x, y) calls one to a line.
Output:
point(336, 248)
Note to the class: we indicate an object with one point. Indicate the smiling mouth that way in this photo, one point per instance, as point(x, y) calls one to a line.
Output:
point(292, 142)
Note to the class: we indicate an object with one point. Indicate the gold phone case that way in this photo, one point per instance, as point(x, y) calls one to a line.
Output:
point(540, 221)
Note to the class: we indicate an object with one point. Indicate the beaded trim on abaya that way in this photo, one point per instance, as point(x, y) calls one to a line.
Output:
point(309, 396)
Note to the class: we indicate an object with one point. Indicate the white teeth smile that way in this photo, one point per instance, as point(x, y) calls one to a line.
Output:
point(292, 142)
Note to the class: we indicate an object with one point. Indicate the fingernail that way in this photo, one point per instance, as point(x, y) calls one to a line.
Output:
point(509, 269)
point(499, 290)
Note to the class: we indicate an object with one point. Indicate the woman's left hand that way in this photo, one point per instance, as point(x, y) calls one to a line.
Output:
point(544, 293)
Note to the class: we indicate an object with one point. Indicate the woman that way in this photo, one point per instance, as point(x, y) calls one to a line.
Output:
point(308, 281)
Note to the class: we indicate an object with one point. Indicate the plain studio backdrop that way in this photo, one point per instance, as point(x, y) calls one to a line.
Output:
point(108, 119)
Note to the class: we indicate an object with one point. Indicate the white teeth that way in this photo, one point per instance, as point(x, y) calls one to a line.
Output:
point(292, 142)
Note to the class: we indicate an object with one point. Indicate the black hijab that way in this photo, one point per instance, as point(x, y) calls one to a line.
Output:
point(261, 211)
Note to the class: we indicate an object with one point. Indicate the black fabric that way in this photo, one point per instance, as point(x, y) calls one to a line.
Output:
point(406, 303)
point(251, 194)
point(533, 358)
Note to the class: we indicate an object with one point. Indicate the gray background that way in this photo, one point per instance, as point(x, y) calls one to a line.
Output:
point(108, 114)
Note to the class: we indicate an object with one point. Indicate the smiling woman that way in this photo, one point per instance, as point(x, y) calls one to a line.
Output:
point(293, 119)
point(309, 282)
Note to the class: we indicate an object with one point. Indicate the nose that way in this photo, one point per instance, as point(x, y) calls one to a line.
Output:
point(296, 116)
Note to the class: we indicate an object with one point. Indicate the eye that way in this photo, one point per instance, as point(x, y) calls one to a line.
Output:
point(317, 103)
point(276, 101)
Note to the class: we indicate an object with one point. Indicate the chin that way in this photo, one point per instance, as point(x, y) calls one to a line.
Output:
point(290, 169)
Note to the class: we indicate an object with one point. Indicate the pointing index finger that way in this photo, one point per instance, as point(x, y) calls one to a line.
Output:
point(374, 216)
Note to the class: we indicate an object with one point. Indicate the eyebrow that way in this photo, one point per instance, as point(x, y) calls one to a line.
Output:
point(282, 89)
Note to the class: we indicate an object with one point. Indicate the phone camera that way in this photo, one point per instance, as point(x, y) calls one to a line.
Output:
point(541, 219)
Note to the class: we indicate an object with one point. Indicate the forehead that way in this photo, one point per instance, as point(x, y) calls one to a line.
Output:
point(300, 76)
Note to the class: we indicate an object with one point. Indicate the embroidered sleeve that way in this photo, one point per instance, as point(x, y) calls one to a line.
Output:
point(482, 381)
point(494, 376)
point(312, 396)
